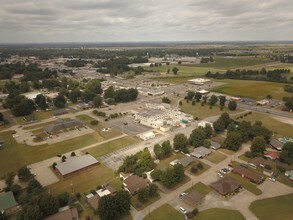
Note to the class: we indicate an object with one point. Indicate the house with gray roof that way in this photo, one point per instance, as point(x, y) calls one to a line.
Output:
point(215, 145)
point(75, 164)
point(201, 152)
point(8, 205)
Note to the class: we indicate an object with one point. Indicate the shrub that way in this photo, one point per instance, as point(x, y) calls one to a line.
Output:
point(199, 166)
point(73, 154)
point(63, 158)
point(248, 154)
point(267, 166)
point(193, 169)
point(195, 211)
point(281, 168)
point(94, 122)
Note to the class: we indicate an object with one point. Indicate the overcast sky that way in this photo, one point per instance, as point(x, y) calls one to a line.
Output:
point(144, 20)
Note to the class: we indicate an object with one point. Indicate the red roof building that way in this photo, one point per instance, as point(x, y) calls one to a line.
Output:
point(271, 155)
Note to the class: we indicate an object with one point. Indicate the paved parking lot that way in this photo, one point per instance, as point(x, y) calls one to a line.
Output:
point(126, 125)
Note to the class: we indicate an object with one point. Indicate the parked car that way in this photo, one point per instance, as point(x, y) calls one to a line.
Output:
point(182, 210)
point(272, 179)
point(220, 175)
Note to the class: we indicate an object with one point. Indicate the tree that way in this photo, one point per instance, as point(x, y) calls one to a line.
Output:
point(178, 172)
point(219, 125)
point(197, 137)
point(30, 212)
point(232, 105)
point(24, 107)
point(258, 146)
point(233, 141)
point(269, 96)
point(167, 177)
point(94, 86)
point(9, 179)
point(73, 154)
point(197, 96)
point(175, 70)
point(48, 205)
point(41, 101)
point(166, 148)
point(143, 194)
point(59, 101)
point(213, 100)
point(156, 174)
point(190, 95)
point(180, 142)
point(24, 174)
point(158, 151)
point(34, 187)
point(114, 206)
point(74, 95)
point(207, 143)
point(208, 130)
point(98, 101)
point(153, 190)
point(286, 155)
point(166, 100)
point(63, 199)
point(109, 93)
point(288, 103)
point(222, 100)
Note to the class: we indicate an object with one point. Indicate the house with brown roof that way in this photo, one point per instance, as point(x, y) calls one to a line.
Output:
point(226, 186)
point(257, 162)
point(193, 198)
point(93, 199)
point(133, 183)
point(248, 174)
point(271, 155)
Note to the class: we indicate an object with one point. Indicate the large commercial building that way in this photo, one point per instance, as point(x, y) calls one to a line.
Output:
point(198, 81)
point(75, 164)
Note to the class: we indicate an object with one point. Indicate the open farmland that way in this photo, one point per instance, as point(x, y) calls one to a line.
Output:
point(252, 89)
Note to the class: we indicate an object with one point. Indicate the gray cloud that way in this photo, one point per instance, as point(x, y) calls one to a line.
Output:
point(140, 20)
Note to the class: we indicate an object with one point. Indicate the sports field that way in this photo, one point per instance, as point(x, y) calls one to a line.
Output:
point(275, 208)
point(252, 89)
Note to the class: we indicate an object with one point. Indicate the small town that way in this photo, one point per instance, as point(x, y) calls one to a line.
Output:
point(148, 128)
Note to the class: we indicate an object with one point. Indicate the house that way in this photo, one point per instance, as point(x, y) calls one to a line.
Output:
point(204, 124)
point(61, 125)
point(193, 198)
point(147, 135)
point(84, 106)
point(124, 176)
point(201, 152)
point(8, 205)
point(93, 200)
point(215, 145)
point(75, 164)
point(289, 174)
point(268, 172)
point(29, 118)
point(185, 161)
point(276, 144)
point(67, 214)
point(226, 186)
point(203, 92)
point(248, 174)
point(258, 162)
point(133, 183)
point(271, 155)
point(61, 111)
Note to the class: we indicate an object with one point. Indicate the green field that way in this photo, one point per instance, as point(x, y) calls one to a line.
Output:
point(233, 63)
point(165, 212)
point(201, 188)
point(252, 89)
point(274, 125)
point(84, 181)
point(111, 146)
point(15, 155)
point(219, 214)
point(216, 157)
point(203, 111)
point(276, 208)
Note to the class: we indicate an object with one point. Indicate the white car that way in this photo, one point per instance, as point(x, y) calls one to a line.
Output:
point(182, 194)
point(220, 175)
point(182, 210)
point(272, 179)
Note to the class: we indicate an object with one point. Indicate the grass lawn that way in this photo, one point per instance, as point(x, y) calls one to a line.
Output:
point(201, 188)
point(246, 184)
point(203, 111)
point(273, 208)
point(216, 157)
point(85, 118)
point(252, 89)
point(220, 214)
point(15, 155)
point(226, 151)
point(140, 206)
point(111, 146)
point(185, 69)
point(271, 123)
point(165, 162)
point(84, 181)
point(165, 212)
point(40, 115)
point(199, 171)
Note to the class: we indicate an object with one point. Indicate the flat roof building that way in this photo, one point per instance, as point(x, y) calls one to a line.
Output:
point(74, 164)
point(61, 125)
point(198, 81)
